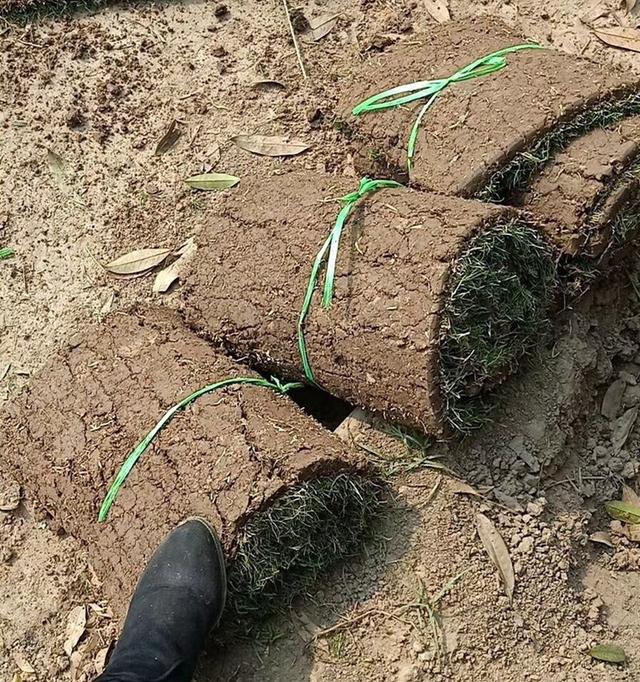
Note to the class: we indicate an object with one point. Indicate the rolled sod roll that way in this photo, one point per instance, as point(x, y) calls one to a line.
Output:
point(488, 136)
point(436, 298)
point(589, 193)
point(286, 497)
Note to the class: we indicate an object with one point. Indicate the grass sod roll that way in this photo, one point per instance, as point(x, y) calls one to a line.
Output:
point(245, 458)
point(589, 194)
point(486, 137)
point(410, 291)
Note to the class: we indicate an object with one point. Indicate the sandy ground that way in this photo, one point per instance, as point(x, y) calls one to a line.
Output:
point(99, 92)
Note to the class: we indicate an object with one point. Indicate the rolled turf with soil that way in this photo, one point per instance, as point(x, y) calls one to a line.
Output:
point(287, 498)
point(436, 298)
point(589, 194)
point(486, 137)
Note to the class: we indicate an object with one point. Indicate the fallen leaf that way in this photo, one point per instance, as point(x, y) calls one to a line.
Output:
point(322, 26)
point(165, 278)
point(611, 653)
point(623, 37)
point(629, 495)
point(623, 511)
point(462, 488)
point(76, 624)
point(137, 262)
point(602, 538)
point(212, 181)
point(56, 164)
point(497, 551)
point(269, 145)
point(268, 84)
point(76, 660)
point(622, 428)
point(629, 5)
point(100, 660)
point(17, 677)
point(22, 663)
point(169, 139)
point(438, 9)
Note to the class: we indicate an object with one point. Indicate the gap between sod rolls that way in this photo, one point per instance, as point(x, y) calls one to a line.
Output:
point(497, 307)
point(285, 548)
point(516, 175)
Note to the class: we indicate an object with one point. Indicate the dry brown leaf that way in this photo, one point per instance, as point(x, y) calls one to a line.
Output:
point(137, 262)
point(22, 663)
point(269, 145)
point(322, 26)
point(497, 551)
point(169, 139)
point(100, 659)
point(76, 624)
point(462, 488)
point(629, 5)
point(165, 278)
point(629, 495)
point(602, 538)
point(620, 36)
point(622, 428)
point(438, 9)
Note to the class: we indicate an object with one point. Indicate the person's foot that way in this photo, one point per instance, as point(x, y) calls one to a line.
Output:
point(179, 599)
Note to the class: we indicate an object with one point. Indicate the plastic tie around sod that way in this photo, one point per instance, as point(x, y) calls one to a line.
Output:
point(331, 245)
point(429, 90)
point(137, 452)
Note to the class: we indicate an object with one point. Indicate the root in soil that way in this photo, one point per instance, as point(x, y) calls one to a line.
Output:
point(500, 294)
point(516, 175)
point(285, 548)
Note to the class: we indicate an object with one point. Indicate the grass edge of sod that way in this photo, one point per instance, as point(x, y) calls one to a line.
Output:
point(496, 308)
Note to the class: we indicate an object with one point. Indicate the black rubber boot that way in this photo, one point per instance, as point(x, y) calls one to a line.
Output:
point(179, 599)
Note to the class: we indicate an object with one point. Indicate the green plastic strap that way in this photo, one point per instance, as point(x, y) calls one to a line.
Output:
point(136, 453)
point(429, 90)
point(6, 253)
point(331, 245)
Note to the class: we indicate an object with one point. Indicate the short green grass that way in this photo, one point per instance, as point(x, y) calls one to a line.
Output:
point(497, 308)
point(282, 550)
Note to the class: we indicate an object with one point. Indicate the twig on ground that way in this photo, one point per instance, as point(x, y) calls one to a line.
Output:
point(296, 45)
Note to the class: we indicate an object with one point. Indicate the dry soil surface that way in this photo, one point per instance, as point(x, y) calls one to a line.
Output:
point(83, 104)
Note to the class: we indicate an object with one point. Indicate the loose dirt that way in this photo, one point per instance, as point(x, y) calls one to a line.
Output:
point(100, 92)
